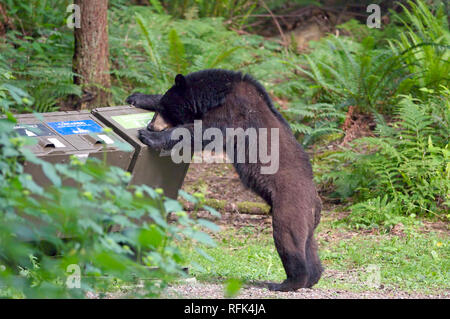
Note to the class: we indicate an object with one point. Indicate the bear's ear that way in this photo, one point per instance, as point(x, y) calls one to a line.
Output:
point(180, 81)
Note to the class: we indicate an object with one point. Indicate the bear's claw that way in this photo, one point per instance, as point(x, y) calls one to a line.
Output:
point(135, 99)
point(149, 138)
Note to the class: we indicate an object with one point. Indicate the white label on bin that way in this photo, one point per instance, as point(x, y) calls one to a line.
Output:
point(82, 157)
point(106, 139)
point(29, 133)
point(56, 142)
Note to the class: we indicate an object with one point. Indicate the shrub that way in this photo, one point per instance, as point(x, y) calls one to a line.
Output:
point(425, 45)
point(406, 165)
point(234, 10)
point(159, 47)
point(347, 73)
point(45, 231)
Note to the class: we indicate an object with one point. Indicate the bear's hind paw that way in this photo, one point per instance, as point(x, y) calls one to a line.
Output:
point(285, 286)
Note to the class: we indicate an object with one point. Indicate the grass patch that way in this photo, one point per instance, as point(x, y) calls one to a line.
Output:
point(414, 262)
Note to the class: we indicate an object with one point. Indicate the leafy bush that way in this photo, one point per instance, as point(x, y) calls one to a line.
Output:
point(425, 45)
point(43, 67)
point(33, 17)
point(111, 231)
point(347, 73)
point(314, 120)
point(405, 170)
point(159, 47)
point(237, 10)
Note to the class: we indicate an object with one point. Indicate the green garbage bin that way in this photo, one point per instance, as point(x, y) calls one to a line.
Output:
point(60, 135)
point(147, 166)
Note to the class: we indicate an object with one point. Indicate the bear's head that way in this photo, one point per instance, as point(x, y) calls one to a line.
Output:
point(177, 105)
point(193, 95)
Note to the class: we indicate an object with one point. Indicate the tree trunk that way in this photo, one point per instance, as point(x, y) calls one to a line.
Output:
point(5, 23)
point(91, 57)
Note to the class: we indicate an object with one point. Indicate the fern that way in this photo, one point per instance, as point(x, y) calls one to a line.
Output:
point(149, 47)
point(157, 6)
point(354, 74)
point(425, 45)
point(314, 120)
point(177, 55)
point(407, 164)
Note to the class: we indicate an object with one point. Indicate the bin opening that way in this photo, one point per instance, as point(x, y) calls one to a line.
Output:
point(95, 140)
point(48, 145)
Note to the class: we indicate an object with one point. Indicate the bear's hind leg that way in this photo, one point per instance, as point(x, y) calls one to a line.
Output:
point(313, 262)
point(290, 238)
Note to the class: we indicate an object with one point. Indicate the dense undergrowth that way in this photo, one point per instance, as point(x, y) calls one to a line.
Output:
point(65, 241)
point(396, 79)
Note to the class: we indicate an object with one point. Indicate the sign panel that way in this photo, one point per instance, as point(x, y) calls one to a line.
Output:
point(33, 130)
point(76, 127)
point(136, 120)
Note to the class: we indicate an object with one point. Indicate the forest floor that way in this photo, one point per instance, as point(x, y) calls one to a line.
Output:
point(404, 263)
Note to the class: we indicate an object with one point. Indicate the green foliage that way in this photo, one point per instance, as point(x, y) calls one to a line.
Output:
point(425, 45)
point(33, 17)
point(40, 66)
point(347, 73)
point(369, 70)
point(403, 171)
point(159, 47)
point(111, 231)
point(146, 53)
point(234, 10)
point(10, 95)
point(314, 120)
point(232, 288)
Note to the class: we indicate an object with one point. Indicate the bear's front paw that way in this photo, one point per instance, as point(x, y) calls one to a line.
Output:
point(152, 139)
point(136, 99)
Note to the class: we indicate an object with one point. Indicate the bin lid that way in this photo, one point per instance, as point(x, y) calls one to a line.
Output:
point(48, 141)
point(67, 132)
point(82, 130)
point(128, 119)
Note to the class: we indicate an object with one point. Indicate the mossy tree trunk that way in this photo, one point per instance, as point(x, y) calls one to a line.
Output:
point(91, 57)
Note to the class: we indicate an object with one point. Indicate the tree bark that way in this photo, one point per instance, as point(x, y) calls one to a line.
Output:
point(5, 23)
point(91, 56)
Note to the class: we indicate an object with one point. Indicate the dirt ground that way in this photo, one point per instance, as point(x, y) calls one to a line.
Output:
point(220, 182)
point(196, 290)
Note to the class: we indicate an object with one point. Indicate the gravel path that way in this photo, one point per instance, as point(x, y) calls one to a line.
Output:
point(198, 290)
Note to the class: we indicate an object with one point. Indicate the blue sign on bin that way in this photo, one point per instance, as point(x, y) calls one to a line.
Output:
point(76, 127)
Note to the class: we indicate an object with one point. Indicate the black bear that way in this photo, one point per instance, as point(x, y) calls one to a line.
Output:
point(227, 99)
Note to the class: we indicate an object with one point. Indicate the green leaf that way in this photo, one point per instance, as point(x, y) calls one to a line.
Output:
point(157, 6)
point(177, 53)
point(51, 174)
point(208, 224)
point(232, 288)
